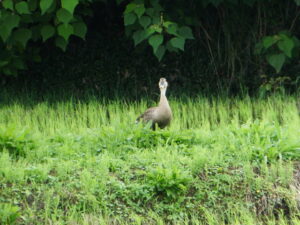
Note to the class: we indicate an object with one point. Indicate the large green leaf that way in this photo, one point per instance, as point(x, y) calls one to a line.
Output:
point(178, 42)
point(69, 5)
point(8, 4)
point(170, 48)
point(65, 30)
point(130, 7)
point(22, 35)
point(139, 10)
point(61, 43)
point(47, 32)
point(80, 29)
point(129, 19)
point(155, 41)
point(139, 36)
point(145, 21)
point(268, 41)
point(64, 15)
point(53, 7)
point(160, 52)
point(173, 29)
point(4, 33)
point(186, 32)
point(22, 8)
point(9, 23)
point(45, 5)
point(276, 61)
point(286, 44)
point(12, 21)
point(150, 30)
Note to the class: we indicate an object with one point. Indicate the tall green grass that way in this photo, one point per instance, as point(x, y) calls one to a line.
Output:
point(222, 161)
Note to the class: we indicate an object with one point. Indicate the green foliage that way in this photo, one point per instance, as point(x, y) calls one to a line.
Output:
point(278, 49)
point(47, 32)
point(22, 7)
point(170, 183)
point(35, 20)
point(224, 41)
point(9, 213)
point(22, 35)
point(45, 5)
point(272, 84)
point(69, 5)
point(147, 21)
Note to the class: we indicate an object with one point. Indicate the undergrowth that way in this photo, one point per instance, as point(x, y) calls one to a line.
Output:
point(222, 161)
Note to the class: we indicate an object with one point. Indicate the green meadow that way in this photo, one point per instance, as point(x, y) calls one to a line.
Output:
point(222, 161)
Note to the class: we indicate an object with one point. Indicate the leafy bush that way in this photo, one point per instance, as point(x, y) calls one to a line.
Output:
point(279, 49)
point(16, 142)
point(169, 183)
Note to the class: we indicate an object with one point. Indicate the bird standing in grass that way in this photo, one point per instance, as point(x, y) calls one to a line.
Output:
point(161, 114)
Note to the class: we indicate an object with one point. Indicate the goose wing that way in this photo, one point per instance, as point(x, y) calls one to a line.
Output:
point(147, 115)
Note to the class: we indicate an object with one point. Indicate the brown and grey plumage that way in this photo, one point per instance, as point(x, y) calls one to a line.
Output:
point(161, 114)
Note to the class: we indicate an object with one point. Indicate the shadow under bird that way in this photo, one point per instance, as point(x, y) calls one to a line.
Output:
point(160, 115)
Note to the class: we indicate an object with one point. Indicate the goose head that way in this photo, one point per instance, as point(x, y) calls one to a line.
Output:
point(163, 84)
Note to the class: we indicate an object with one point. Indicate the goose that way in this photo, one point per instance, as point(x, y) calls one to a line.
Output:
point(161, 114)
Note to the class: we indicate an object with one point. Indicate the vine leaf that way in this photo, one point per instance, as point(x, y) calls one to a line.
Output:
point(65, 30)
point(186, 32)
point(22, 8)
point(47, 31)
point(10, 22)
point(139, 10)
point(178, 42)
point(22, 36)
point(172, 28)
point(129, 19)
point(140, 36)
point(155, 41)
point(145, 21)
point(160, 52)
point(69, 5)
point(80, 29)
point(64, 15)
point(61, 43)
point(170, 47)
point(130, 7)
point(45, 5)
point(268, 41)
point(8, 4)
point(276, 61)
point(286, 45)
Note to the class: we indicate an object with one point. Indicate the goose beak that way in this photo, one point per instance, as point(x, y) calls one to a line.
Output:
point(163, 83)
